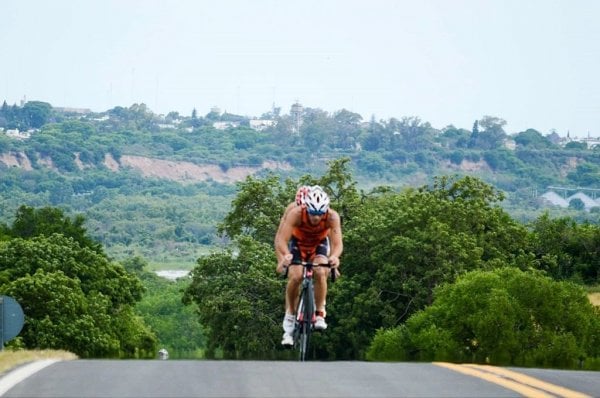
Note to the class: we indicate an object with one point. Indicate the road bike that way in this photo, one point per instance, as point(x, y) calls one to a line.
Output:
point(306, 310)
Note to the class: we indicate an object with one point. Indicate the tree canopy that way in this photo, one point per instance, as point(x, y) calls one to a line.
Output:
point(503, 317)
point(74, 298)
point(400, 247)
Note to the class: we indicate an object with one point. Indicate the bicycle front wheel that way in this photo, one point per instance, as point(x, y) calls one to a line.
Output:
point(306, 327)
point(304, 341)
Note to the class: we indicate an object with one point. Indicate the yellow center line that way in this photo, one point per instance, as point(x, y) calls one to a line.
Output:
point(531, 381)
point(522, 384)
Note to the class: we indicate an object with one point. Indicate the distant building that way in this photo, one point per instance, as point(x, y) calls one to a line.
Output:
point(510, 144)
point(164, 126)
point(79, 111)
point(296, 113)
point(588, 202)
point(261, 124)
point(225, 125)
point(18, 135)
point(554, 199)
point(591, 142)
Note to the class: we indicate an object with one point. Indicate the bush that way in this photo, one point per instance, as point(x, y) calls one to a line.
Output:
point(503, 317)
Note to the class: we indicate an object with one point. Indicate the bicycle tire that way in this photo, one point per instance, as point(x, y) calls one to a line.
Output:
point(298, 323)
point(309, 308)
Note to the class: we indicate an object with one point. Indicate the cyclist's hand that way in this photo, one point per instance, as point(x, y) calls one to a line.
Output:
point(334, 261)
point(285, 261)
point(335, 264)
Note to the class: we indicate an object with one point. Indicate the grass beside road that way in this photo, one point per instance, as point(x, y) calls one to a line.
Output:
point(595, 298)
point(10, 359)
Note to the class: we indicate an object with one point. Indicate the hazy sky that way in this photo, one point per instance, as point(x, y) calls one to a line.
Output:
point(534, 63)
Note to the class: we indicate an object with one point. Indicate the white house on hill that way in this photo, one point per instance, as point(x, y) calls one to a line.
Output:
point(588, 202)
point(555, 199)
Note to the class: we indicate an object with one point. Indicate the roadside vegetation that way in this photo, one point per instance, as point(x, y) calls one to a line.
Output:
point(10, 359)
point(79, 244)
point(514, 288)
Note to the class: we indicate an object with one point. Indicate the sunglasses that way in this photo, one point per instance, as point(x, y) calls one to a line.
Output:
point(316, 212)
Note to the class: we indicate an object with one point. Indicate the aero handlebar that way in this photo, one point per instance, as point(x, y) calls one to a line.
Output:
point(304, 264)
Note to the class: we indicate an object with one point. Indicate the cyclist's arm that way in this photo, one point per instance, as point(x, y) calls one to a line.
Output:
point(335, 237)
point(284, 234)
point(289, 207)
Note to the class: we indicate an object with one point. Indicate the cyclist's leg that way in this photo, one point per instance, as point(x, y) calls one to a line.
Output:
point(320, 278)
point(291, 294)
point(292, 290)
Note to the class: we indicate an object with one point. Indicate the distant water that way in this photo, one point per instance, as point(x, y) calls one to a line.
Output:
point(173, 274)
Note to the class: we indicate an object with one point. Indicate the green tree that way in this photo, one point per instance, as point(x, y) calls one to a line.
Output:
point(492, 134)
point(63, 285)
point(312, 137)
point(576, 204)
point(399, 247)
point(411, 134)
point(452, 137)
point(503, 317)
point(532, 138)
point(60, 316)
point(586, 174)
point(566, 249)
point(576, 145)
point(239, 300)
point(257, 208)
point(347, 129)
point(341, 187)
point(375, 137)
point(30, 222)
point(36, 113)
point(177, 326)
point(373, 163)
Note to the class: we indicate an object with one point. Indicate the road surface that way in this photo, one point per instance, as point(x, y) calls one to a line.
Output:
point(189, 378)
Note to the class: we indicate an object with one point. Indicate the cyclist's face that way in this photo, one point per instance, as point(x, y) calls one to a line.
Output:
point(314, 219)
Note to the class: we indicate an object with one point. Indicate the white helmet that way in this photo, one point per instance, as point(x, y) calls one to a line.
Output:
point(316, 201)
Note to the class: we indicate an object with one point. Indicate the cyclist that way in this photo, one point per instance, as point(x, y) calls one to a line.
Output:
point(309, 232)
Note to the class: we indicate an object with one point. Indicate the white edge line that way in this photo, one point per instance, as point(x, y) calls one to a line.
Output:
point(21, 373)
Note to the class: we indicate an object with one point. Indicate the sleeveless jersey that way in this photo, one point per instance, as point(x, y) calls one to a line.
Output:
point(310, 236)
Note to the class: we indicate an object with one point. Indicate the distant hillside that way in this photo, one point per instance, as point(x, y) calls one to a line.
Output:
point(179, 171)
point(158, 185)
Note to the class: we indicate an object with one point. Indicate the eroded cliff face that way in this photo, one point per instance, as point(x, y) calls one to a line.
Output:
point(150, 167)
point(183, 172)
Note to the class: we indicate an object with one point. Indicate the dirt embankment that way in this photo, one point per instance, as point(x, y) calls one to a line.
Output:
point(158, 168)
point(190, 172)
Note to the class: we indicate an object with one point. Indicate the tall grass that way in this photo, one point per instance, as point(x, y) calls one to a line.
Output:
point(10, 359)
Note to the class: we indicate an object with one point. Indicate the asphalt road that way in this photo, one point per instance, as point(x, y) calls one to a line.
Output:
point(171, 378)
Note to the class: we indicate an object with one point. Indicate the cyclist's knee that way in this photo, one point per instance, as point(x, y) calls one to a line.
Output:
point(295, 274)
point(321, 273)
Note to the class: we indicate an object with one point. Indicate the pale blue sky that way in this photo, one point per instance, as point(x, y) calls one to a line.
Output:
point(533, 63)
